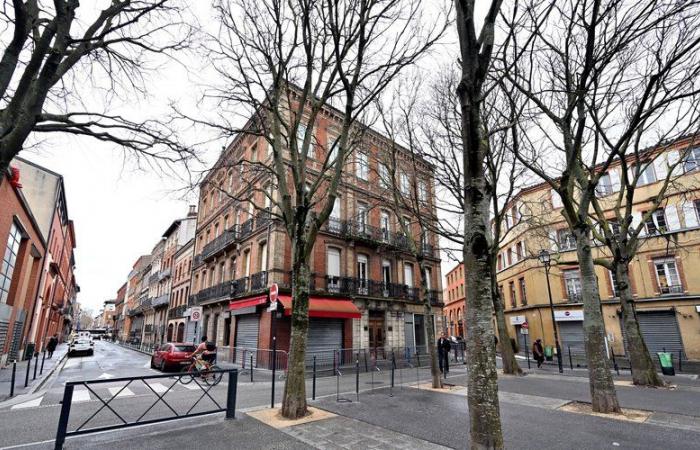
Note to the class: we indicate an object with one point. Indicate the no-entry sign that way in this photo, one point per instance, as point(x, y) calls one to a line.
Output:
point(273, 292)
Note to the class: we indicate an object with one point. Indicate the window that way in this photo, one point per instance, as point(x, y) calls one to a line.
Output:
point(361, 217)
point(8, 261)
point(246, 263)
point(384, 225)
point(335, 212)
point(667, 276)
point(500, 261)
point(408, 274)
point(222, 272)
point(692, 160)
point(254, 153)
point(656, 222)
point(386, 276)
point(604, 186)
point(383, 176)
point(362, 166)
point(362, 271)
point(613, 283)
point(510, 257)
point(566, 239)
point(520, 250)
point(647, 174)
point(334, 151)
point(422, 191)
point(513, 299)
point(301, 133)
point(572, 280)
point(232, 267)
point(556, 199)
point(333, 269)
point(523, 293)
point(405, 185)
point(262, 256)
point(428, 274)
point(500, 292)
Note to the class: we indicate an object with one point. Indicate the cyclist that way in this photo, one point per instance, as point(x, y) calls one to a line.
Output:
point(207, 350)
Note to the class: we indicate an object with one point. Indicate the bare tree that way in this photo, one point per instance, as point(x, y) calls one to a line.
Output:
point(288, 66)
point(476, 51)
point(567, 71)
point(50, 69)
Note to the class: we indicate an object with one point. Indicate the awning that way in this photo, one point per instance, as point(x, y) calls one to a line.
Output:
point(246, 302)
point(324, 307)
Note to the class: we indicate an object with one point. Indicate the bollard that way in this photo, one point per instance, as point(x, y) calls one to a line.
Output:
point(26, 377)
point(313, 382)
point(357, 378)
point(251, 367)
point(527, 356)
point(617, 368)
point(274, 368)
point(231, 394)
point(43, 358)
point(680, 360)
point(36, 364)
point(366, 369)
point(337, 385)
point(571, 363)
point(12, 382)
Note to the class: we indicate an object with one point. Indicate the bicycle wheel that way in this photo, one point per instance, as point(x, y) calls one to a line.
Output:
point(187, 374)
point(212, 379)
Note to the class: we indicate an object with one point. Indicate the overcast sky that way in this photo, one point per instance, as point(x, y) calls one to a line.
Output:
point(119, 210)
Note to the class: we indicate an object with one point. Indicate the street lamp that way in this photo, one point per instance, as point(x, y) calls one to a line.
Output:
point(546, 259)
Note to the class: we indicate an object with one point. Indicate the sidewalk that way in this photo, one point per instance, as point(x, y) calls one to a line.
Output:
point(21, 372)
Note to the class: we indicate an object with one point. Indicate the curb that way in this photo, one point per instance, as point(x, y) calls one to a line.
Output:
point(134, 349)
point(31, 394)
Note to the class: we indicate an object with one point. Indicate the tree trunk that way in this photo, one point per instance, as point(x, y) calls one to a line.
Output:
point(603, 395)
point(294, 400)
point(643, 370)
point(510, 364)
point(430, 329)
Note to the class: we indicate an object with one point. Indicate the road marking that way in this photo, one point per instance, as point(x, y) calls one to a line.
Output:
point(158, 387)
point(105, 376)
point(72, 363)
point(81, 395)
point(147, 365)
point(191, 386)
point(29, 404)
point(126, 392)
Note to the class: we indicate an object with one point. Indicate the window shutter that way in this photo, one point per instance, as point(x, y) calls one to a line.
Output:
point(556, 199)
point(689, 214)
point(636, 220)
point(660, 167)
point(614, 179)
point(553, 240)
point(672, 218)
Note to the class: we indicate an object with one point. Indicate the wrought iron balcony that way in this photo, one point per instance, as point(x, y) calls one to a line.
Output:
point(146, 302)
point(221, 290)
point(574, 297)
point(263, 218)
point(428, 250)
point(177, 312)
point(369, 288)
point(153, 278)
point(258, 281)
point(246, 228)
point(198, 261)
point(165, 273)
point(227, 238)
point(672, 289)
point(163, 300)
point(148, 328)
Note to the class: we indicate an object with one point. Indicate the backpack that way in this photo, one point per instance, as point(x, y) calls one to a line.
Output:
point(211, 347)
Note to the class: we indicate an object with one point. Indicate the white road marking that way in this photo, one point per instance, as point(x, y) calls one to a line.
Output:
point(105, 376)
point(29, 404)
point(126, 392)
point(158, 387)
point(72, 362)
point(192, 386)
point(147, 365)
point(81, 395)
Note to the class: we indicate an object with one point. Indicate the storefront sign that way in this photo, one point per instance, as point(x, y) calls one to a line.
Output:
point(517, 320)
point(697, 308)
point(568, 316)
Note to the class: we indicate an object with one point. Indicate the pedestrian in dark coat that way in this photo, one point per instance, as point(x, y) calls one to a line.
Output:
point(538, 352)
point(51, 346)
point(444, 348)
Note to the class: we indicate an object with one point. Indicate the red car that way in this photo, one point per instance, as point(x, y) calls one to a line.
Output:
point(171, 356)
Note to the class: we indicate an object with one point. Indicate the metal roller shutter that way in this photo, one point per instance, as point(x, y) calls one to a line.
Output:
point(325, 335)
point(247, 327)
point(571, 335)
point(16, 337)
point(4, 331)
point(660, 331)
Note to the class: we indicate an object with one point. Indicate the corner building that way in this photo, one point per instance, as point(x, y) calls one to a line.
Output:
point(365, 283)
point(664, 282)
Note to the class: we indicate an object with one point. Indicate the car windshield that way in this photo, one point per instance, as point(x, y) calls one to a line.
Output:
point(183, 348)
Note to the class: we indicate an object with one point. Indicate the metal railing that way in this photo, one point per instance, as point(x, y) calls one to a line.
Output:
point(258, 281)
point(177, 312)
point(227, 238)
point(127, 412)
point(672, 289)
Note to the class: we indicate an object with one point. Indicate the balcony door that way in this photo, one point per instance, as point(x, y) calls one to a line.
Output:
point(384, 224)
point(333, 269)
point(362, 271)
point(386, 276)
point(408, 274)
point(361, 217)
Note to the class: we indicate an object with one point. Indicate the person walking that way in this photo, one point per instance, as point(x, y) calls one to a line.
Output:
point(444, 348)
point(51, 346)
point(538, 352)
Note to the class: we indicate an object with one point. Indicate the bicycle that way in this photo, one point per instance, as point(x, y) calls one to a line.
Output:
point(210, 373)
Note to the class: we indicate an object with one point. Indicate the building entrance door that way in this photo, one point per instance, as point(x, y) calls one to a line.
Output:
point(376, 333)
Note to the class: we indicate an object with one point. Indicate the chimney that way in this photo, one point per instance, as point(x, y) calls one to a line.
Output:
point(193, 211)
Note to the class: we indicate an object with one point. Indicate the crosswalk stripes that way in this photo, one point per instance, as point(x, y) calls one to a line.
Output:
point(119, 392)
point(191, 386)
point(158, 387)
point(81, 395)
point(29, 404)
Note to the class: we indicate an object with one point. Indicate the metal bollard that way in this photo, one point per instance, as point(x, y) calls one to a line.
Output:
point(26, 377)
point(231, 394)
point(617, 368)
point(36, 364)
point(571, 363)
point(313, 383)
point(43, 358)
point(251, 367)
point(527, 356)
point(357, 379)
point(12, 382)
point(366, 369)
point(680, 360)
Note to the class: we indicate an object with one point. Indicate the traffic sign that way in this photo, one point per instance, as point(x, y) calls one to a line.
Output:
point(273, 307)
point(274, 290)
point(196, 313)
point(524, 326)
point(524, 331)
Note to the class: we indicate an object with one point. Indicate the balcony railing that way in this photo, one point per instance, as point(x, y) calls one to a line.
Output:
point(153, 278)
point(146, 302)
point(165, 273)
point(227, 238)
point(177, 312)
point(673, 289)
point(198, 261)
point(263, 218)
point(148, 328)
point(161, 301)
point(258, 281)
point(246, 228)
point(575, 297)
point(359, 230)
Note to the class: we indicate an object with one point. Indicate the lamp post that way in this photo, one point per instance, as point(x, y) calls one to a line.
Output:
point(545, 259)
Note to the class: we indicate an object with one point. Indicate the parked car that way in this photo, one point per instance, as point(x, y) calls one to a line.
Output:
point(171, 356)
point(81, 344)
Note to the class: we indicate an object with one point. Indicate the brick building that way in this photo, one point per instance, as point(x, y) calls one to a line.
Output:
point(21, 262)
point(119, 305)
point(180, 329)
point(133, 311)
point(364, 283)
point(453, 295)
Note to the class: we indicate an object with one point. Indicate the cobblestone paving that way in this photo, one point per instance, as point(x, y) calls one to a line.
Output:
point(345, 433)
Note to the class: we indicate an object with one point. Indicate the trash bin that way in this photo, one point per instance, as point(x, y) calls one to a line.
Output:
point(548, 353)
point(666, 361)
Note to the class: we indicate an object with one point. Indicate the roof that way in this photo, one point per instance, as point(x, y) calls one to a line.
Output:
point(173, 226)
point(25, 205)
